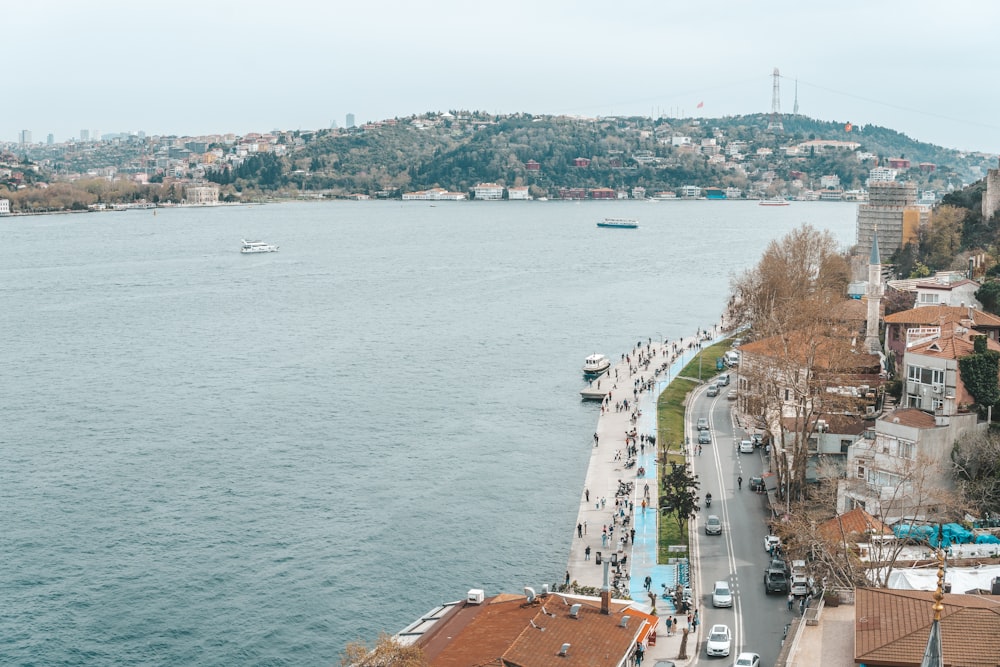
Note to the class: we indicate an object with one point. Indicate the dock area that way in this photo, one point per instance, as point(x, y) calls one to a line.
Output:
point(617, 520)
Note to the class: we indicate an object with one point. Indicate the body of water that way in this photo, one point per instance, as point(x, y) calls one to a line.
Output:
point(213, 458)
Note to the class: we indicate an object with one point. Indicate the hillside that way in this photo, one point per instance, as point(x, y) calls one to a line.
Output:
point(458, 150)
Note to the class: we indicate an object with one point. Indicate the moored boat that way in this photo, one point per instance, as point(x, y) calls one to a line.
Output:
point(251, 247)
point(621, 223)
point(773, 202)
point(596, 364)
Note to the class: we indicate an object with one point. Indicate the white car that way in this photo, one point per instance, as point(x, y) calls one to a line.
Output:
point(746, 446)
point(719, 640)
point(771, 541)
point(722, 596)
point(747, 660)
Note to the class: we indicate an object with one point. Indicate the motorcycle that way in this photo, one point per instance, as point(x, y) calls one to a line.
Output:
point(708, 500)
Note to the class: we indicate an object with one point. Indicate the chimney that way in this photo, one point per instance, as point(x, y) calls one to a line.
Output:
point(606, 591)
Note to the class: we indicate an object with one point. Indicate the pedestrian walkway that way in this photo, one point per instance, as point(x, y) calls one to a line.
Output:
point(638, 378)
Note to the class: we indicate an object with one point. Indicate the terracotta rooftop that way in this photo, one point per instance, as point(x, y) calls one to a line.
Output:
point(892, 626)
point(938, 315)
point(508, 631)
point(950, 347)
point(852, 525)
point(911, 417)
point(830, 353)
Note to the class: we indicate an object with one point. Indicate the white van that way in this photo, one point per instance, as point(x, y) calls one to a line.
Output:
point(732, 358)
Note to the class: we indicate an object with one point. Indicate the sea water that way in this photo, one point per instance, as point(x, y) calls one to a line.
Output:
point(213, 458)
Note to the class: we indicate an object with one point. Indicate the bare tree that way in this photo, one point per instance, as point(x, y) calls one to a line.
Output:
point(387, 652)
point(976, 464)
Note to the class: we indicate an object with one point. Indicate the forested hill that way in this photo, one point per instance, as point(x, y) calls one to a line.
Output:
point(456, 151)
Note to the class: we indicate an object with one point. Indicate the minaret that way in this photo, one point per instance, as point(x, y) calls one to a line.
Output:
point(874, 297)
point(933, 653)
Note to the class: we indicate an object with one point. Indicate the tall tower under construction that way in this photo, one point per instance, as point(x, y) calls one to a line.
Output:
point(774, 125)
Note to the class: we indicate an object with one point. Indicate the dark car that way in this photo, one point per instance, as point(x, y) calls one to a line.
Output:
point(757, 484)
point(704, 438)
point(775, 581)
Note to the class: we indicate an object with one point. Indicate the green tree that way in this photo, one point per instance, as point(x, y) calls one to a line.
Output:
point(680, 493)
point(989, 296)
point(980, 371)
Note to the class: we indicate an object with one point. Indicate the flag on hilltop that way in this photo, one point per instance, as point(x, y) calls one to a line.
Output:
point(701, 104)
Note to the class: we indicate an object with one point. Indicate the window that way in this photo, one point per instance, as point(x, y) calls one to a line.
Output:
point(929, 298)
point(844, 446)
point(861, 472)
point(906, 449)
point(925, 375)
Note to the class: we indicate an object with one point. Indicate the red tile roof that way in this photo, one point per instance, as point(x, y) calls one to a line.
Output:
point(935, 315)
point(509, 631)
point(892, 626)
point(950, 347)
point(852, 525)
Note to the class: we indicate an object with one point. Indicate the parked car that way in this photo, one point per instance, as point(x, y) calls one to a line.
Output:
point(702, 423)
point(719, 640)
point(723, 380)
point(747, 660)
point(771, 541)
point(704, 438)
point(713, 525)
point(775, 581)
point(779, 564)
point(722, 596)
point(756, 483)
point(746, 447)
point(713, 390)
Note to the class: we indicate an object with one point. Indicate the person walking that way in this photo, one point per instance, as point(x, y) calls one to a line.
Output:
point(791, 599)
point(586, 493)
point(586, 553)
point(579, 530)
point(739, 481)
point(669, 623)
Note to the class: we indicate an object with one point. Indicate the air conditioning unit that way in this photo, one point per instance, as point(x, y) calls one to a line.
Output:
point(475, 596)
point(869, 409)
point(938, 389)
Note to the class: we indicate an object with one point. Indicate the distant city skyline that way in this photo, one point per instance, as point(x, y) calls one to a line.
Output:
point(909, 66)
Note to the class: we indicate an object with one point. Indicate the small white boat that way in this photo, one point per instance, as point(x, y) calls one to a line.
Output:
point(773, 202)
point(596, 364)
point(620, 223)
point(250, 247)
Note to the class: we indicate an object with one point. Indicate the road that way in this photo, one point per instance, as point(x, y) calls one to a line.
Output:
point(756, 620)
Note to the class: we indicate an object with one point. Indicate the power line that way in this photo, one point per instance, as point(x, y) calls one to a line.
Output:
point(900, 107)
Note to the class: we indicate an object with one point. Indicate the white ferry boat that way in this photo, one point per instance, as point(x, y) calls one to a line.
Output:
point(596, 364)
point(250, 247)
point(773, 202)
point(620, 223)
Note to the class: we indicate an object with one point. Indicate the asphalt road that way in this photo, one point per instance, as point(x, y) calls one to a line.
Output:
point(756, 620)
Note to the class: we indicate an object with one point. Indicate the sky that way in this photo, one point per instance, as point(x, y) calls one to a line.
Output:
point(926, 69)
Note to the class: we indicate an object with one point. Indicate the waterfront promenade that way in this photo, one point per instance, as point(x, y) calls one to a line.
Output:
point(608, 469)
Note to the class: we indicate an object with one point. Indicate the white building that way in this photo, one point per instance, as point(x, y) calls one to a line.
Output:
point(488, 191)
point(204, 195)
point(690, 191)
point(881, 174)
point(4, 207)
point(518, 193)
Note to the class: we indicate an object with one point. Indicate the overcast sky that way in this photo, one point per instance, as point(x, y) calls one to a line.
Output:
point(186, 67)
